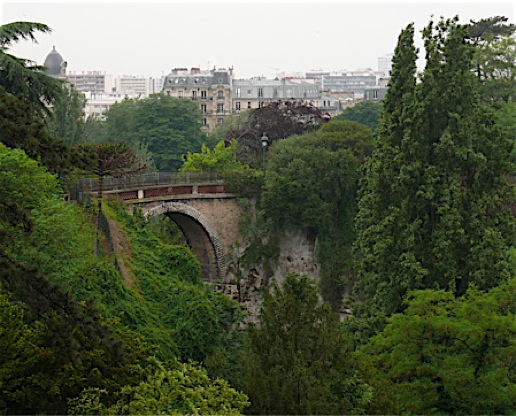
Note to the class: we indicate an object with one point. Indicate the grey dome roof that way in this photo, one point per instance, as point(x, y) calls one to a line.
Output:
point(53, 63)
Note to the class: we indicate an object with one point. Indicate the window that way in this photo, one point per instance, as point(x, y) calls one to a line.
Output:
point(220, 108)
point(237, 106)
point(249, 104)
point(260, 92)
point(204, 122)
point(220, 95)
point(194, 95)
point(220, 120)
point(203, 108)
point(180, 94)
point(275, 93)
point(203, 95)
point(238, 92)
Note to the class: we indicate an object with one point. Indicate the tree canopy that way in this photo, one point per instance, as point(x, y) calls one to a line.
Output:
point(311, 183)
point(298, 361)
point(279, 120)
point(66, 120)
point(445, 355)
point(365, 112)
point(167, 127)
point(494, 60)
point(433, 208)
point(20, 128)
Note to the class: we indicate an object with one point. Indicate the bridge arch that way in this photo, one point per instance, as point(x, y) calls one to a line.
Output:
point(200, 235)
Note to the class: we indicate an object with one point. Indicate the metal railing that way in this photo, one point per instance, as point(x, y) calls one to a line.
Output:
point(145, 180)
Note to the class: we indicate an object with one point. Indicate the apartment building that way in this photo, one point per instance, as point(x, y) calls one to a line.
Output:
point(130, 84)
point(345, 81)
point(211, 89)
point(91, 81)
point(255, 92)
point(98, 103)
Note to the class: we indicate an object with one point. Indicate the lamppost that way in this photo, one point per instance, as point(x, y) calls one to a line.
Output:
point(265, 145)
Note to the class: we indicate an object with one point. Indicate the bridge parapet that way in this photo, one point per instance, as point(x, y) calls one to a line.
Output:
point(154, 185)
point(110, 183)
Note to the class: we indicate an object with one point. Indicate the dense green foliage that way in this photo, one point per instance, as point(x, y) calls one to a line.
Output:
point(64, 344)
point(298, 360)
point(20, 128)
point(494, 59)
point(106, 334)
point(238, 177)
point(445, 355)
point(311, 184)
point(185, 389)
point(66, 121)
point(43, 254)
point(176, 311)
point(221, 159)
point(166, 127)
point(433, 209)
point(365, 112)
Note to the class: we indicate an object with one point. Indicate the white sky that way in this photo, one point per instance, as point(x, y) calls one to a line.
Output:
point(256, 38)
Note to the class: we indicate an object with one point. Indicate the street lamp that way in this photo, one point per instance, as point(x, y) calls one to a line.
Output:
point(265, 145)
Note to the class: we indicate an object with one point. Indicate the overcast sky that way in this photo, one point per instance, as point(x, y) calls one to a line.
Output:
point(260, 38)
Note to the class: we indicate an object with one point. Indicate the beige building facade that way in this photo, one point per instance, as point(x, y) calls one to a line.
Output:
point(210, 89)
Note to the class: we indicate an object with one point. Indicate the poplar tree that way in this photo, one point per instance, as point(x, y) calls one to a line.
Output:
point(433, 206)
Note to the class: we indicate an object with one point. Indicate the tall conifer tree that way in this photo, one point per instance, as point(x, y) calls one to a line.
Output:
point(433, 204)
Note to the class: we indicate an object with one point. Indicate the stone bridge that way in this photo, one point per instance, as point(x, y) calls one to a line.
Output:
point(199, 203)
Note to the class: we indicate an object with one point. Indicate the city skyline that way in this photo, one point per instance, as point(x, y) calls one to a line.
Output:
point(256, 39)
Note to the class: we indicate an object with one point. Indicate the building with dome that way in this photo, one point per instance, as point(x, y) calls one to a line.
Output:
point(55, 64)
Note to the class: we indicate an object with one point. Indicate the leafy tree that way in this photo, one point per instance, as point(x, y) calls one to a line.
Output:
point(108, 159)
point(66, 121)
point(232, 123)
point(38, 243)
point(278, 119)
point(495, 57)
point(185, 389)
point(94, 131)
point(433, 204)
point(167, 127)
point(445, 355)
point(22, 129)
point(298, 360)
point(365, 112)
point(311, 184)
point(506, 119)
point(220, 159)
point(20, 76)
point(238, 176)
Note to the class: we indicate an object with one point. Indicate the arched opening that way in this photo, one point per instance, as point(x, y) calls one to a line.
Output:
point(199, 236)
point(199, 242)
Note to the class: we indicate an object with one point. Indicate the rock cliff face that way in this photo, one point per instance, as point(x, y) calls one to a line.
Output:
point(296, 253)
